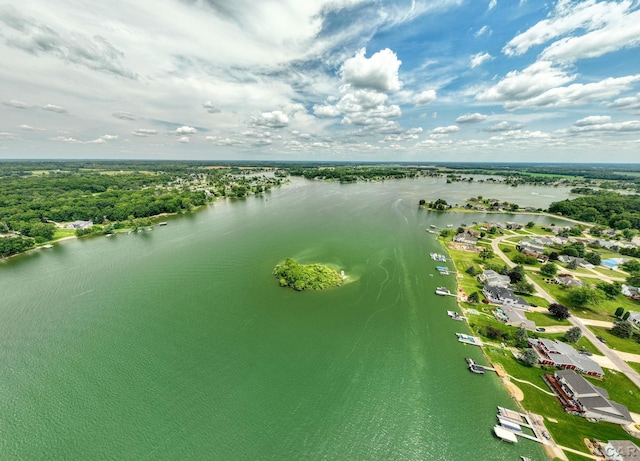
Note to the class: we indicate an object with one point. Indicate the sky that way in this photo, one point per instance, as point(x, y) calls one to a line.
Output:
point(321, 80)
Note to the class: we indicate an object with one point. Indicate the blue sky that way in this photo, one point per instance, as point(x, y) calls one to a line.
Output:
point(332, 80)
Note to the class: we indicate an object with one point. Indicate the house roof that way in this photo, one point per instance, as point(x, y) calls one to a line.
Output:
point(593, 398)
point(564, 354)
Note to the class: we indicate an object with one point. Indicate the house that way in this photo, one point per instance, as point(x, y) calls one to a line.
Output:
point(592, 401)
point(514, 317)
point(621, 450)
point(79, 225)
point(534, 254)
point(631, 292)
point(529, 245)
point(568, 281)
point(493, 279)
point(464, 237)
point(559, 354)
point(514, 225)
point(504, 296)
point(634, 317)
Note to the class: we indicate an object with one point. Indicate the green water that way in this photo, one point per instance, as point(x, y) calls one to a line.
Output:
point(179, 343)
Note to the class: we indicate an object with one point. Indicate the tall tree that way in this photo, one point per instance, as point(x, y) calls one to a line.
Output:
point(573, 335)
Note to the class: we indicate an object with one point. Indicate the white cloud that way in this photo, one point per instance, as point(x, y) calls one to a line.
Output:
point(484, 30)
point(100, 140)
point(492, 4)
point(631, 103)
point(424, 98)
point(184, 139)
point(144, 132)
point(30, 128)
point(503, 126)
point(379, 72)
point(593, 120)
point(211, 108)
point(479, 58)
point(54, 108)
point(568, 17)
point(518, 135)
point(65, 139)
point(186, 130)
point(529, 83)
point(445, 129)
point(476, 117)
point(5, 135)
point(274, 119)
point(17, 104)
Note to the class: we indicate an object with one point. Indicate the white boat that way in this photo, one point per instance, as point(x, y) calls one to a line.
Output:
point(442, 291)
point(504, 434)
point(454, 315)
point(47, 246)
point(163, 223)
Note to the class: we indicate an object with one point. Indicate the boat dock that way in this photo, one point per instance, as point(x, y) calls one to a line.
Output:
point(466, 339)
point(514, 421)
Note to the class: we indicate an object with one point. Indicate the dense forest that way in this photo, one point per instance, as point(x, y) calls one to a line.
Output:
point(361, 173)
point(36, 197)
point(601, 207)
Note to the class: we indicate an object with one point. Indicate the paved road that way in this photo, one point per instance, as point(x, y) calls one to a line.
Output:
point(612, 355)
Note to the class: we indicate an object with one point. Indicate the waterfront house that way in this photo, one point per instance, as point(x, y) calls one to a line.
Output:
point(559, 354)
point(493, 279)
point(514, 317)
point(79, 225)
point(514, 225)
point(504, 296)
point(592, 401)
point(465, 237)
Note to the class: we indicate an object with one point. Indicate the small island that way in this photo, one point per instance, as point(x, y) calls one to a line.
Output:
point(307, 276)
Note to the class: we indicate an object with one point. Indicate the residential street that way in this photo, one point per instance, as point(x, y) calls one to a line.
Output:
point(611, 355)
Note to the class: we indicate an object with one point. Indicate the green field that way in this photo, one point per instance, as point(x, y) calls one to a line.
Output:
point(619, 344)
point(546, 320)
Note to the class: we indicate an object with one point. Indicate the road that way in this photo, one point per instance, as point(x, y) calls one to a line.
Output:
point(611, 355)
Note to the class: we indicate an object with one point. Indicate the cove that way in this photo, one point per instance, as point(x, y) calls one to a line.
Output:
point(180, 344)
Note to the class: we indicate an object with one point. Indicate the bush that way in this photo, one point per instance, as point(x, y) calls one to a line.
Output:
point(559, 311)
point(622, 330)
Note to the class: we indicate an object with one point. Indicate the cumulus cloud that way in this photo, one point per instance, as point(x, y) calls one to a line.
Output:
point(184, 139)
point(478, 59)
point(604, 124)
point(30, 35)
point(519, 135)
point(445, 129)
point(593, 120)
point(124, 116)
point(631, 103)
point(5, 135)
point(185, 130)
point(424, 98)
point(404, 135)
point(65, 139)
point(17, 104)
point(379, 72)
point(503, 126)
point(529, 83)
point(211, 108)
point(100, 140)
point(54, 108)
point(274, 119)
point(144, 132)
point(476, 117)
point(492, 4)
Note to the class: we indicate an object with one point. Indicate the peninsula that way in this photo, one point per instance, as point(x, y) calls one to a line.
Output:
point(307, 276)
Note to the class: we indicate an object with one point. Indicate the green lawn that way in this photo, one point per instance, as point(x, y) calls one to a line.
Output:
point(634, 365)
point(62, 233)
point(619, 344)
point(570, 430)
point(545, 320)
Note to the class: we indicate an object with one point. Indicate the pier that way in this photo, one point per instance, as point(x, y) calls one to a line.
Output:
point(510, 419)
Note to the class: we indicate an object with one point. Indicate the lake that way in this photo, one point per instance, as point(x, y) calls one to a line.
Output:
point(180, 344)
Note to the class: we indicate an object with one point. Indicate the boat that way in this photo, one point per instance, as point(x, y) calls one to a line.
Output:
point(504, 434)
point(433, 226)
point(513, 427)
point(342, 274)
point(431, 232)
point(163, 223)
point(442, 291)
point(442, 268)
point(47, 246)
point(449, 225)
point(525, 458)
point(477, 369)
point(454, 315)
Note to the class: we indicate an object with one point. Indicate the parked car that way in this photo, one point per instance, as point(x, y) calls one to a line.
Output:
point(541, 330)
point(601, 339)
point(586, 353)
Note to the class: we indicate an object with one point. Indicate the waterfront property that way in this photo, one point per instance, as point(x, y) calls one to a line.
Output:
point(491, 278)
point(473, 340)
point(514, 317)
point(559, 354)
point(579, 396)
point(504, 296)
